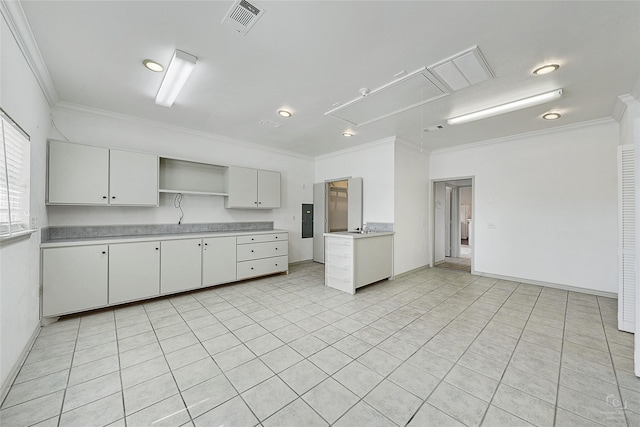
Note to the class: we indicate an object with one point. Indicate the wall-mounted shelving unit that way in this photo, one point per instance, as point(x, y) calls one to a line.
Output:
point(186, 177)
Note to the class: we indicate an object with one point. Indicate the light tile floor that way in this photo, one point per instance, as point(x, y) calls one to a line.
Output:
point(434, 347)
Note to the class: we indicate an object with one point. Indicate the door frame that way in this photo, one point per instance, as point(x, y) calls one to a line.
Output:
point(432, 222)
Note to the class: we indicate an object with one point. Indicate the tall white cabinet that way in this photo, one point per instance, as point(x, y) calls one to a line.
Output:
point(252, 188)
point(86, 175)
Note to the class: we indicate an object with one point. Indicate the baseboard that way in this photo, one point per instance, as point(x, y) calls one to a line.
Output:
point(305, 261)
point(549, 285)
point(6, 384)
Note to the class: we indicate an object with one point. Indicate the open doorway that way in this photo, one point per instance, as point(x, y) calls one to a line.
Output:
point(453, 224)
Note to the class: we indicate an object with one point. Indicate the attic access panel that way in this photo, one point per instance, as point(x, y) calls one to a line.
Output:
point(409, 91)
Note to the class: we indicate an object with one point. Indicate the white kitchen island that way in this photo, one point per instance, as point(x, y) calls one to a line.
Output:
point(353, 260)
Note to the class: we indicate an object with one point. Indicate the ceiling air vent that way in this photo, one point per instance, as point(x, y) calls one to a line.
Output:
point(269, 123)
point(433, 128)
point(242, 16)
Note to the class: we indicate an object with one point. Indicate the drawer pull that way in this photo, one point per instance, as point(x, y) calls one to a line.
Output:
point(252, 268)
point(252, 239)
point(251, 250)
point(104, 197)
point(206, 244)
point(276, 249)
point(113, 197)
point(199, 244)
point(104, 252)
point(157, 249)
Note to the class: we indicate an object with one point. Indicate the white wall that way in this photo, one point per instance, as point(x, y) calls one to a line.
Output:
point(553, 200)
point(91, 127)
point(22, 98)
point(374, 163)
point(411, 208)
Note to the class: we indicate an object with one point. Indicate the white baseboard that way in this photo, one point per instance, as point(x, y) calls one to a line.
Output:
point(549, 285)
point(6, 384)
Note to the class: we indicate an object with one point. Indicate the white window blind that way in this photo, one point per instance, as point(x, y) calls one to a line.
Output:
point(626, 239)
point(14, 177)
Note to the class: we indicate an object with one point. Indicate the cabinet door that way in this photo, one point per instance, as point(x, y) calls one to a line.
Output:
point(242, 186)
point(268, 189)
point(180, 265)
point(218, 260)
point(133, 178)
point(134, 271)
point(77, 174)
point(74, 279)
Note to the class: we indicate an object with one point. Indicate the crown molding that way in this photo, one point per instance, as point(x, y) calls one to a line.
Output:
point(526, 135)
point(19, 26)
point(622, 103)
point(70, 107)
point(376, 143)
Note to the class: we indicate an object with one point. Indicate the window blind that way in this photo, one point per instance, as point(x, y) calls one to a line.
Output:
point(14, 177)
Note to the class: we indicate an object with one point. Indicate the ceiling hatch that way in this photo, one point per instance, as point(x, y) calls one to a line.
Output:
point(409, 91)
point(242, 16)
point(419, 87)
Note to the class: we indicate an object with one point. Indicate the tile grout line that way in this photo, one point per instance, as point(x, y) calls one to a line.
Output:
point(564, 323)
point(613, 366)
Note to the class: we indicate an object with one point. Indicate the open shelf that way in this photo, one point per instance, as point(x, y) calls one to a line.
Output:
point(186, 177)
point(197, 193)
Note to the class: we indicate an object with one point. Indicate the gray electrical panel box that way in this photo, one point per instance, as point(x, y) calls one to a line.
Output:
point(307, 220)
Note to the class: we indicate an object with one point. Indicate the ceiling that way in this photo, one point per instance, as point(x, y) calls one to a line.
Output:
point(308, 55)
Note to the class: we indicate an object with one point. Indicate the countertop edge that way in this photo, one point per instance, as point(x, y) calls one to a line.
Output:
point(150, 238)
point(348, 235)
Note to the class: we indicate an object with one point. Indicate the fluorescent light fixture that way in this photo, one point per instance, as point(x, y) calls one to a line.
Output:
point(176, 76)
point(508, 107)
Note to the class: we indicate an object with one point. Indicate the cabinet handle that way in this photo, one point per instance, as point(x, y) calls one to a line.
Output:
point(199, 244)
point(259, 203)
point(276, 237)
point(252, 239)
point(206, 244)
point(276, 249)
point(157, 249)
point(276, 265)
point(255, 203)
point(113, 197)
point(104, 252)
point(104, 197)
point(252, 268)
point(251, 250)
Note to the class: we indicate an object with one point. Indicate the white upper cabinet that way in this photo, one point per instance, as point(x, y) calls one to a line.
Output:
point(268, 189)
point(133, 178)
point(252, 188)
point(78, 174)
point(86, 175)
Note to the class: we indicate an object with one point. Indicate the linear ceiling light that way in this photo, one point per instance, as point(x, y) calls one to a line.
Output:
point(506, 108)
point(176, 76)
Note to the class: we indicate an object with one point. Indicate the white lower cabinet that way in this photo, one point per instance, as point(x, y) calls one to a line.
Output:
point(262, 254)
point(83, 277)
point(74, 279)
point(180, 265)
point(218, 260)
point(134, 271)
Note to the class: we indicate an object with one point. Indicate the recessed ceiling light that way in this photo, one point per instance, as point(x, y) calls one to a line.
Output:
point(551, 116)
point(545, 69)
point(284, 113)
point(152, 65)
point(347, 134)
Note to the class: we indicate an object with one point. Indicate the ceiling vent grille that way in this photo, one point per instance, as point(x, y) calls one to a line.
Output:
point(242, 16)
point(462, 69)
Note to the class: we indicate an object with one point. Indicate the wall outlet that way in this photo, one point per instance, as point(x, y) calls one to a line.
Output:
point(34, 222)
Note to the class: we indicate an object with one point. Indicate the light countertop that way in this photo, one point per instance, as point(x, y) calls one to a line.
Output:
point(350, 235)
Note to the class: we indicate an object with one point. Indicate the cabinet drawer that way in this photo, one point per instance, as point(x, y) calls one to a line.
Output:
point(263, 266)
point(259, 238)
point(262, 250)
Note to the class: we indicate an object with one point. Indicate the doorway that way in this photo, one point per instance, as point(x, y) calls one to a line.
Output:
point(453, 224)
point(337, 207)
